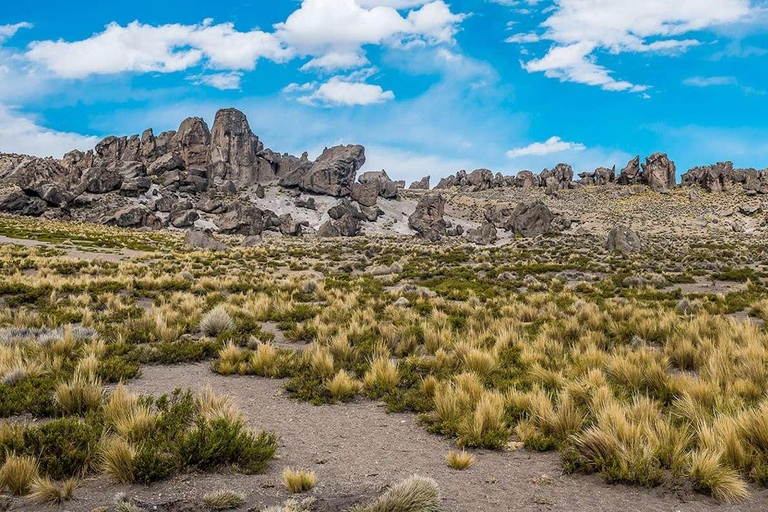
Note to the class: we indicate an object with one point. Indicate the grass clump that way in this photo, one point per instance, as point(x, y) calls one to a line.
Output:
point(460, 460)
point(343, 386)
point(217, 321)
point(298, 481)
point(415, 494)
point(18, 473)
point(223, 500)
point(45, 491)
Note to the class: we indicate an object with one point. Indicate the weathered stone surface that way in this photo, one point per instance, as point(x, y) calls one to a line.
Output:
point(499, 215)
point(366, 193)
point(659, 172)
point(530, 219)
point(715, 178)
point(333, 173)
point(192, 141)
point(427, 220)
point(630, 175)
point(422, 184)
point(242, 220)
point(483, 235)
point(604, 176)
point(184, 219)
point(348, 225)
point(526, 180)
point(167, 162)
point(288, 226)
point(234, 149)
point(621, 238)
point(14, 200)
point(309, 203)
point(128, 217)
point(202, 241)
point(99, 180)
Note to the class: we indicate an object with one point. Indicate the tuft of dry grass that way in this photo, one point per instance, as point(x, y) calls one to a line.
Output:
point(709, 475)
point(415, 494)
point(297, 481)
point(117, 459)
point(383, 374)
point(45, 491)
point(343, 386)
point(460, 460)
point(223, 500)
point(18, 473)
point(79, 395)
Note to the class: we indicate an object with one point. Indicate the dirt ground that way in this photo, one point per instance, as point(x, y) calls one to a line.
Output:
point(358, 449)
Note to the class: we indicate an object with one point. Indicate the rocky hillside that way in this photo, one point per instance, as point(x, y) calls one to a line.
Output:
point(224, 180)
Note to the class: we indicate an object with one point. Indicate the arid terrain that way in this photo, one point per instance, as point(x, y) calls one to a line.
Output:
point(561, 374)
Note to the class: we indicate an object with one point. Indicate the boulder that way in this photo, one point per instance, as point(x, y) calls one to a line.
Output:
point(604, 176)
point(242, 220)
point(530, 219)
point(288, 226)
point(344, 207)
point(348, 225)
point(483, 235)
point(659, 172)
point(100, 180)
point(480, 179)
point(427, 220)
point(128, 217)
point(365, 193)
point(621, 238)
point(309, 203)
point(630, 175)
point(714, 178)
point(200, 240)
point(333, 173)
point(526, 180)
point(183, 219)
point(422, 184)
point(167, 162)
point(498, 215)
point(14, 200)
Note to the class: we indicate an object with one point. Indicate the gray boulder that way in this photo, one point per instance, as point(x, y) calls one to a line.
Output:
point(200, 240)
point(530, 219)
point(659, 172)
point(427, 220)
point(333, 173)
point(483, 235)
point(234, 148)
point(621, 238)
point(630, 175)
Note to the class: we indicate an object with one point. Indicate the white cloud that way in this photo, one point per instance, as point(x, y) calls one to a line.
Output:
point(336, 61)
point(574, 63)
point(710, 81)
point(223, 81)
point(580, 28)
point(397, 4)
point(338, 92)
point(294, 87)
point(327, 29)
point(20, 134)
point(551, 145)
point(8, 31)
point(165, 49)
point(530, 37)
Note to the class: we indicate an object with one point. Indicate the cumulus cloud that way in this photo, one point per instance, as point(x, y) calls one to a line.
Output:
point(580, 28)
point(338, 92)
point(20, 134)
point(8, 31)
point(332, 32)
point(164, 48)
point(550, 146)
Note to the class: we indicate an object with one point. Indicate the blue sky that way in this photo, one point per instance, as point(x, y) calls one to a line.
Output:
point(428, 86)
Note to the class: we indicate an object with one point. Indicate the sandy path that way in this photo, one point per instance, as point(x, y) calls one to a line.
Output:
point(357, 449)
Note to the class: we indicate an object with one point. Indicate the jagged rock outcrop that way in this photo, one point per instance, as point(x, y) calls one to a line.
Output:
point(385, 187)
point(722, 176)
point(427, 220)
point(630, 175)
point(499, 215)
point(621, 238)
point(14, 200)
point(527, 180)
point(347, 225)
point(333, 173)
point(603, 176)
point(530, 219)
point(659, 172)
point(422, 184)
point(192, 141)
point(233, 149)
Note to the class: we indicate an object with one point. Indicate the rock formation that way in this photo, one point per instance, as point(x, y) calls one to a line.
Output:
point(427, 220)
